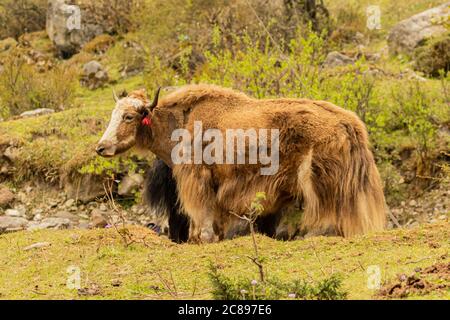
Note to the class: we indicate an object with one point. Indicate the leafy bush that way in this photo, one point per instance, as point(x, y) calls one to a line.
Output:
point(225, 288)
point(20, 16)
point(265, 70)
point(434, 56)
point(23, 88)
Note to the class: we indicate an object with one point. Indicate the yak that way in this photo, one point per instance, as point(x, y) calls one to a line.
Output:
point(325, 159)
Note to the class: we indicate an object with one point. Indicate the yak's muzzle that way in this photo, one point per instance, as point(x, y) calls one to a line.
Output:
point(105, 149)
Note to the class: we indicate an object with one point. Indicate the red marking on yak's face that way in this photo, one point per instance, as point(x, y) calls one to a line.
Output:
point(120, 135)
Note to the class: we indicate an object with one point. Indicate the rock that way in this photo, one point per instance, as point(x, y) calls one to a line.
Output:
point(37, 245)
point(36, 112)
point(67, 32)
point(15, 213)
point(67, 215)
point(413, 203)
point(410, 33)
point(51, 223)
point(130, 183)
point(8, 224)
point(69, 203)
point(103, 207)
point(83, 225)
point(98, 220)
point(336, 59)
point(12, 153)
point(84, 189)
point(94, 75)
point(6, 196)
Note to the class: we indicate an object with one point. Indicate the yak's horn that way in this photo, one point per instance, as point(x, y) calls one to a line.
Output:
point(155, 100)
point(115, 97)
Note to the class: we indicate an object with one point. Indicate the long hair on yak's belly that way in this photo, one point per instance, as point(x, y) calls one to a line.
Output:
point(160, 195)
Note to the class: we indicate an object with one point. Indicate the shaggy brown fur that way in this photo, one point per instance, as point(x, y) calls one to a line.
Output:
point(325, 161)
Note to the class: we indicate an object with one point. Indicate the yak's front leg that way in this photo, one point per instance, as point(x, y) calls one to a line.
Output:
point(198, 199)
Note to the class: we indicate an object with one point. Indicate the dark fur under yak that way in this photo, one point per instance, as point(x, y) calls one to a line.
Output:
point(161, 196)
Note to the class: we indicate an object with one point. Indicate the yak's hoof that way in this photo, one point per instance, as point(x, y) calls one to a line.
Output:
point(208, 236)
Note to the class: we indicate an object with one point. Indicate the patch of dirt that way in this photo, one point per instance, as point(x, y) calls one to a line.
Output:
point(419, 283)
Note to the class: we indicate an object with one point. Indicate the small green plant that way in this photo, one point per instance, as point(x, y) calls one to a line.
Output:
point(226, 288)
point(273, 288)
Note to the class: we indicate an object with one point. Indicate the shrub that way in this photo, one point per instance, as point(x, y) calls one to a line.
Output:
point(20, 16)
point(99, 44)
point(23, 88)
point(434, 56)
point(226, 288)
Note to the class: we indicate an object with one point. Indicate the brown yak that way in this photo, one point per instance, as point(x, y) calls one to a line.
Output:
point(324, 159)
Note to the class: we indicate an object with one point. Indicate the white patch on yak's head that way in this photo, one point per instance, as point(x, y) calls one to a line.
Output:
point(125, 120)
point(120, 135)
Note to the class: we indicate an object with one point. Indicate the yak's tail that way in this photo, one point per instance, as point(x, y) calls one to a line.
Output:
point(342, 189)
point(160, 195)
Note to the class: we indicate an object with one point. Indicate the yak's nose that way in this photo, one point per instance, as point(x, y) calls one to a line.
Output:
point(100, 149)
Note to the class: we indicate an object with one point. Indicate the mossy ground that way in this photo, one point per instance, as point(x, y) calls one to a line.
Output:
point(154, 268)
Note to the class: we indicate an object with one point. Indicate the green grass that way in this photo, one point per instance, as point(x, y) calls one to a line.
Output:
point(142, 269)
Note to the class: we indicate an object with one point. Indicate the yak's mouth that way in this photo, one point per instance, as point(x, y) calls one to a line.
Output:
point(106, 150)
point(109, 150)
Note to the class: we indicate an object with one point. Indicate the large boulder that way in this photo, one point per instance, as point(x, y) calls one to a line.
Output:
point(410, 33)
point(68, 32)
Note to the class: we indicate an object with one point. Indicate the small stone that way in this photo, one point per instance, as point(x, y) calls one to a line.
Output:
point(97, 219)
point(37, 246)
point(116, 283)
point(37, 217)
point(6, 196)
point(69, 203)
point(51, 223)
point(36, 112)
point(14, 213)
point(413, 203)
point(67, 215)
point(103, 207)
point(442, 217)
point(53, 203)
point(83, 225)
point(129, 184)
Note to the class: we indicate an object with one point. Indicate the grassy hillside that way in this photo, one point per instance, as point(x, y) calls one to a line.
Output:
point(154, 268)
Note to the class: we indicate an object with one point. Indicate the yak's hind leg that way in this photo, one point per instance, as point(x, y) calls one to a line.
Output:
point(197, 197)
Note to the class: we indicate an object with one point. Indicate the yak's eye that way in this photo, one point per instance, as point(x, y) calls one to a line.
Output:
point(128, 117)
